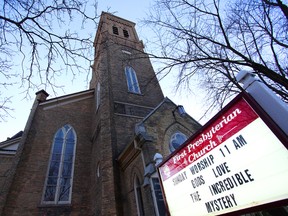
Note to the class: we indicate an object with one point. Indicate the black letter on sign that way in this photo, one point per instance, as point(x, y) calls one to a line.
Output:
point(240, 142)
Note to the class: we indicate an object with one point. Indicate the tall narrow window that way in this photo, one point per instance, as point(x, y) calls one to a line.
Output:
point(98, 96)
point(132, 81)
point(58, 185)
point(138, 195)
point(158, 197)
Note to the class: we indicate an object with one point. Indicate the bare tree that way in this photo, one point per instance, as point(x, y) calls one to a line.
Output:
point(41, 39)
point(214, 40)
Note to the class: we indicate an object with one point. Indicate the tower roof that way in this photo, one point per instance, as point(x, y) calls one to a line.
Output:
point(108, 21)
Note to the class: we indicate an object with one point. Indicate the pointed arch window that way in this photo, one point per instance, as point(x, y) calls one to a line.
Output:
point(58, 185)
point(132, 81)
point(176, 140)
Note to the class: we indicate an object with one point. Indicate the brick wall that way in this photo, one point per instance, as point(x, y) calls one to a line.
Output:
point(6, 167)
point(27, 188)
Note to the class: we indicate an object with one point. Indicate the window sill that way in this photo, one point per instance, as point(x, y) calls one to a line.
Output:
point(55, 209)
point(61, 205)
point(134, 93)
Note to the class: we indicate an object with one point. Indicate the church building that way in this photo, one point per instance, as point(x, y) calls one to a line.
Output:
point(95, 152)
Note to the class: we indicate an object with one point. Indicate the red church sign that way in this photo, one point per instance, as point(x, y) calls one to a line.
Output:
point(235, 162)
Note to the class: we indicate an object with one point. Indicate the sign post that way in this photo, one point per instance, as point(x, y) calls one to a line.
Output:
point(236, 162)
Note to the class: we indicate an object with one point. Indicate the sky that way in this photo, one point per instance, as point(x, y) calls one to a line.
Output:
point(131, 10)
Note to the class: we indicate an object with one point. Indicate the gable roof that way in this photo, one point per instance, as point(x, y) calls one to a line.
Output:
point(165, 100)
point(10, 146)
point(69, 98)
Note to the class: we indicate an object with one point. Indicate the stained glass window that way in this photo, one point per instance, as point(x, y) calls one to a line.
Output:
point(176, 140)
point(58, 185)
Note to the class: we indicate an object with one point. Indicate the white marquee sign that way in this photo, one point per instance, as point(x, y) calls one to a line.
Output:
point(235, 163)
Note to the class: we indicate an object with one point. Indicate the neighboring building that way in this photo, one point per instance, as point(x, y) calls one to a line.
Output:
point(94, 152)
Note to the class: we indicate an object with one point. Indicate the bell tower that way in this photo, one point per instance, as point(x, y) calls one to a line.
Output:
point(126, 90)
point(119, 56)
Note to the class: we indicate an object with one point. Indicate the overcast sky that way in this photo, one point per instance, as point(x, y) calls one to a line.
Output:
point(128, 9)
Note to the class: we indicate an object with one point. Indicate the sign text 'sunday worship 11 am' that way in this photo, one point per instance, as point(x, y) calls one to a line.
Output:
point(233, 164)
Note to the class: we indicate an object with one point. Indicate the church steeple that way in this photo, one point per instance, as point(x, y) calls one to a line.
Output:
point(119, 56)
point(126, 90)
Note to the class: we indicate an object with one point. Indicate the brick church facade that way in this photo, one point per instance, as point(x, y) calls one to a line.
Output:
point(94, 152)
